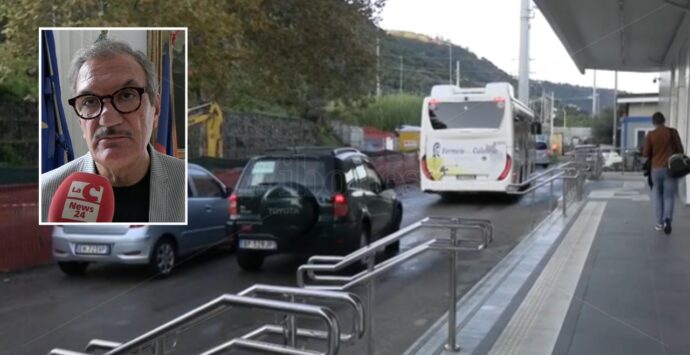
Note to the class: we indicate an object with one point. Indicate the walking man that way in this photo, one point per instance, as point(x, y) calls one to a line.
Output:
point(659, 145)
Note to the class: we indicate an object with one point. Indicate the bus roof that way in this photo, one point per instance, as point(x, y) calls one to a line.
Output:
point(491, 89)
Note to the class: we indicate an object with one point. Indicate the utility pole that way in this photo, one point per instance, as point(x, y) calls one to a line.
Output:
point(543, 106)
point(401, 74)
point(594, 95)
point(551, 116)
point(523, 92)
point(378, 67)
point(565, 120)
point(450, 63)
point(457, 73)
point(615, 108)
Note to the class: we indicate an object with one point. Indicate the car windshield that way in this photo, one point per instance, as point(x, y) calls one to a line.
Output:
point(272, 171)
point(477, 114)
point(541, 146)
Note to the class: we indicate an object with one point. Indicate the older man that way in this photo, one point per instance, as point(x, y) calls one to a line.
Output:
point(118, 105)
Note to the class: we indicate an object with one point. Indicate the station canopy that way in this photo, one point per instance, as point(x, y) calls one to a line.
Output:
point(624, 35)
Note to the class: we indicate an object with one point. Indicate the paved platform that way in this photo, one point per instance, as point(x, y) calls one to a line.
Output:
point(599, 281)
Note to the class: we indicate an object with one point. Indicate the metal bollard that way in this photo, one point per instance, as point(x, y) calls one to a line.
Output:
point(292, 327)
point(452, 291)
point(565, 196)
point(371, 297)
point(550, 190)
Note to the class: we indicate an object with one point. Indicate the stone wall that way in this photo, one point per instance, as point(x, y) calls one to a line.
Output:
point(248, 134)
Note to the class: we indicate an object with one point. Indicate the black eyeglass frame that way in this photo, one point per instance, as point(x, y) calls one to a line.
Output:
point(73, 100)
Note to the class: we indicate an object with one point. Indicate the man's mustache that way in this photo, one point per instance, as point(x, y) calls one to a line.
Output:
point(110, 131)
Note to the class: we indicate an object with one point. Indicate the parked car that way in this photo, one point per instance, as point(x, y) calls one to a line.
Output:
point(543, 154)
point(308, 201)
point(612, 160)
point(159, 246)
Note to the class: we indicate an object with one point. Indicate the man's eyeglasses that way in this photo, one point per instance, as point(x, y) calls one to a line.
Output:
point(90, 106)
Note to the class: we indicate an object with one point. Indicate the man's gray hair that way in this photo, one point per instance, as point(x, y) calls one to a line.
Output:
point(107, 48)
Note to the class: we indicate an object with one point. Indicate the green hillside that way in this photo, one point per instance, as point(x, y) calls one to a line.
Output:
point(425, 63)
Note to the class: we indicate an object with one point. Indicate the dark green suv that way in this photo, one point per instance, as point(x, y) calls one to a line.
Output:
point(311, 201)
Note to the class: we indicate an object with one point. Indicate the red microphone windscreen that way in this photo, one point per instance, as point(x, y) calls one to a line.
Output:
point(83, 197)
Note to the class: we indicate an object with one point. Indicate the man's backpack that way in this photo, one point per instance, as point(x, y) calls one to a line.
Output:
point(678, 163)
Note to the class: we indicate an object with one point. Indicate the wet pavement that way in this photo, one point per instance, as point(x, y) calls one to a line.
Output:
point(42, 309)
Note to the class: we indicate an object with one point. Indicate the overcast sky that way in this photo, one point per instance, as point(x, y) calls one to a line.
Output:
point(491, 29)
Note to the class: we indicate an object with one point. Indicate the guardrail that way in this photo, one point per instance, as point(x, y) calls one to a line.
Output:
point(163, 339)
point(318, 265)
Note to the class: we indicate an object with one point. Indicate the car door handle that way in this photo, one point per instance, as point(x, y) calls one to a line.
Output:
point(208, 208)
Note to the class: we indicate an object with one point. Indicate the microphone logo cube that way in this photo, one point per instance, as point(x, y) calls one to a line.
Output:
point(83, 202)
point(85, 191)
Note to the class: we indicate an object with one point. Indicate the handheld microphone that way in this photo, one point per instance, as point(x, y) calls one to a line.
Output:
point(83, 197)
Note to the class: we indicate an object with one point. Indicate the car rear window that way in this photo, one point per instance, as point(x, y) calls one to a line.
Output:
point(312, 173)
point(542, 146)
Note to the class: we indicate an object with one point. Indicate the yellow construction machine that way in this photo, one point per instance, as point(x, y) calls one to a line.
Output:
point(211, 115)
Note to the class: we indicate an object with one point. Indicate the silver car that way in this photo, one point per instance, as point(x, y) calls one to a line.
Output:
point(543, 154)
point(159, 246)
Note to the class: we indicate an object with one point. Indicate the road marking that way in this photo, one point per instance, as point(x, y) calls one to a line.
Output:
point(633, 184)
point(535, 326)
point(620, 194)
point(15, 205)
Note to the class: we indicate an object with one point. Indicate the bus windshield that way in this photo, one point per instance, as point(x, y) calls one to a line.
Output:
point(477, 114)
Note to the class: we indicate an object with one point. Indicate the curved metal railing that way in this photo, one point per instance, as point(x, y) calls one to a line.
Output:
point(156, 340)
point(320, 268)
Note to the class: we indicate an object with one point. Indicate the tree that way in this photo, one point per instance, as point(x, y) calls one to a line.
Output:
point(602, 128)
point(311, 52)
point(299, 53)
point(215, 32)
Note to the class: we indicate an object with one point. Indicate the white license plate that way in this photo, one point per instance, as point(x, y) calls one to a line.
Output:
point(93, 249)
point(466, 177)
point(260, 244)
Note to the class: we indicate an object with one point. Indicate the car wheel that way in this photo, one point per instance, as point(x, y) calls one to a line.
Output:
point(250, 261)
point(73, 268)
point(163, 257)
point(394, 247)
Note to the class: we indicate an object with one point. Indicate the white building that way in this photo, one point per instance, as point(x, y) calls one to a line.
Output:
point(632, 35)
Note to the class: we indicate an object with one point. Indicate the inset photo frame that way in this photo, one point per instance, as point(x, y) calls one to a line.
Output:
point(113, 126)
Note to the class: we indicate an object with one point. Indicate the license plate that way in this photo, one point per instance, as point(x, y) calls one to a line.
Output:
point(466, 177)
point(260, 244)
point(93, 249)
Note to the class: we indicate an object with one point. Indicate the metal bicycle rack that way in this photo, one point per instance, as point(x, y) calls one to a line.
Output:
point(163, 339)
point(318, 267)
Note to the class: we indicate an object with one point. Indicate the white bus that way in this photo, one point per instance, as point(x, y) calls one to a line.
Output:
point(475, 139)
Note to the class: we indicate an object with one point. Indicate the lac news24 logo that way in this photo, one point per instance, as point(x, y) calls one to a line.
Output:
point(83, 201)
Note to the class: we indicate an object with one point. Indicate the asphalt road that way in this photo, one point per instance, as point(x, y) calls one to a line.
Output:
point(41, 309)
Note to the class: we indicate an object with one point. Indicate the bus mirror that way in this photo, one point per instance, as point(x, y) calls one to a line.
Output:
point(536, 128)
